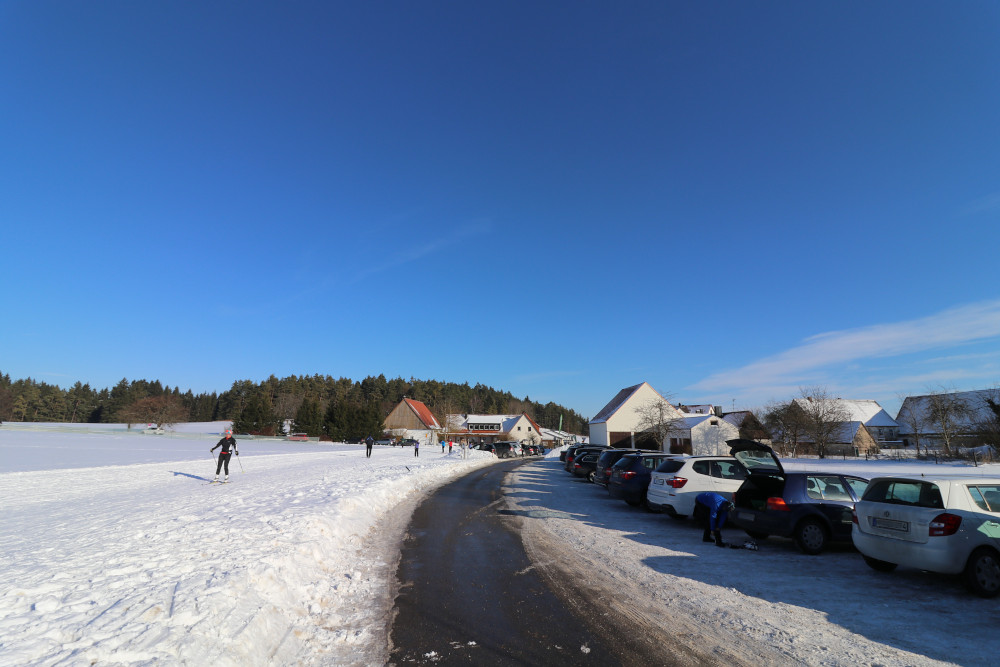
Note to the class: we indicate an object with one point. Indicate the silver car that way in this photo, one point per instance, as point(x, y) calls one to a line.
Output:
point(944, 523)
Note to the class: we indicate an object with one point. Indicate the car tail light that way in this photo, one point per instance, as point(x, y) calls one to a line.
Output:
point(778, 505)
point(628, 474)
point(944, 524)
point(577, 465)
point(676, 482)
point(854, 517)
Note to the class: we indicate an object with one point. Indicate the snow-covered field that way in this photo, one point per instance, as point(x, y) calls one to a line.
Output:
point(117, 551)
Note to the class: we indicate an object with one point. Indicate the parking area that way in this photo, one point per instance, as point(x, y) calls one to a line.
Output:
point(774, 604)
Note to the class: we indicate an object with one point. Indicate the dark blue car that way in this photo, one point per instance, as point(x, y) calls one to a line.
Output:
point(630, 476)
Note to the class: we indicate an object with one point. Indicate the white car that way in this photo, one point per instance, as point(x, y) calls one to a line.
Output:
point(945, 523)
point(675, 483)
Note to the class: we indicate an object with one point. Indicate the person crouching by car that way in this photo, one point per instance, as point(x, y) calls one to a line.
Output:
point(712, 509)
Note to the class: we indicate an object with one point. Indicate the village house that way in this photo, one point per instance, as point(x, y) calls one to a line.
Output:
point(479, 429)
point(701, 435)
point(963, 419)
point(413, 419)
point(621, 423)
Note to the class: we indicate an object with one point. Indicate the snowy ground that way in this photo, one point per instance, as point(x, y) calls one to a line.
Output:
point(774, 606)
point(115, 550)
point(136, 559)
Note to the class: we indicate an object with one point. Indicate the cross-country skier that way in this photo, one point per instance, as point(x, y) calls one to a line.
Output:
point(228, 444)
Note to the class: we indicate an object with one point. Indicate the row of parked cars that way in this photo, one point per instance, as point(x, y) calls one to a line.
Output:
point(510, 449)
point(945, 523)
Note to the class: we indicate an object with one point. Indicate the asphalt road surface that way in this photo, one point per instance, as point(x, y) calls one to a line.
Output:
point(469, 595)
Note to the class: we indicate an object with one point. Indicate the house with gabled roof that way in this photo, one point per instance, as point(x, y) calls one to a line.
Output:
point(701, 435)
point(619, 423)
point(413, 419)
point(866, 426)
point(973, 419)
point(477, 429)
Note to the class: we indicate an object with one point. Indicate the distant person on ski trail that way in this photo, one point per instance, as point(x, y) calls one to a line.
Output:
point(369, 441)
point(450, 443)
point(228, 444)
point(442, 446)
point(416, 448)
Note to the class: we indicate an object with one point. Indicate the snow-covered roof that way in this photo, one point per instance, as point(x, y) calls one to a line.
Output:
point(868, 412)
point(975, 401)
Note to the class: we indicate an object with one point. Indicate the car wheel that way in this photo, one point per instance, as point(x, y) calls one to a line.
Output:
point(982, 573)
point(590, 478)
point(811, 536)
point(879, 565)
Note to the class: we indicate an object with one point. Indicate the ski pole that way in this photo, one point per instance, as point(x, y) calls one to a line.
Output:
point(241, 464)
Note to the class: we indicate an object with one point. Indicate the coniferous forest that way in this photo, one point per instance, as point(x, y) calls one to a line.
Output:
point(338, 408)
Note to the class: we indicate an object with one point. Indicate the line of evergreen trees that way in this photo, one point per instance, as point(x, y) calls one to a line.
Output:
point(340, 408)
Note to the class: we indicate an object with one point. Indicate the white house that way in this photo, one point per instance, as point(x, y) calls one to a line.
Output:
point(972, 418)
point(701, 435)
point(620, 421)
point(475, 429)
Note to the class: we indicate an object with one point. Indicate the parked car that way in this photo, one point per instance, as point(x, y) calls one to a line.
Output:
point(812, 508)
point(407, 442)
point(580, 451)
point(609, 457)
point(585, 462)
point(567, 459)
point(504, 449)
point(674, 485)
point(946, 523)
point(386, 441)
point(630, 476)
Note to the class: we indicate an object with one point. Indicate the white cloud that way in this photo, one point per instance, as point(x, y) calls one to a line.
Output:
point(800, 365)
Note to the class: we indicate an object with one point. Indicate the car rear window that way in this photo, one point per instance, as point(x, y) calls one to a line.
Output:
point(905, 492)
point(986, 496)
point(670, 465)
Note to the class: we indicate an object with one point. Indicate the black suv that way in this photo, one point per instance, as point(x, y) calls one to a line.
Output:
point(609, 457)
point(630, 476)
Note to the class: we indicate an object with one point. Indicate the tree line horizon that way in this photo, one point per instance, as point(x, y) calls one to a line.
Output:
point(320, 405)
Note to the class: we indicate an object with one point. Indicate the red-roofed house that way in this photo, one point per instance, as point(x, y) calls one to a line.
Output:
point(413, 419)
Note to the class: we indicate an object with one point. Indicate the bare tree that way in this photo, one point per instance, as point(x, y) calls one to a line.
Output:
point(786, 423)
point(160, 410)
point(988, 421)
point(824, 417)
point(913, 417)
point(656, 419)
point(949, 412)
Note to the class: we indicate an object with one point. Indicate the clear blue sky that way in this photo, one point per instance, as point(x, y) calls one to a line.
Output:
point(729, 200)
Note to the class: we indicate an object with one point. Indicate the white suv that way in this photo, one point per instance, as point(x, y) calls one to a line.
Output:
point(675, 483)
point(945, 523)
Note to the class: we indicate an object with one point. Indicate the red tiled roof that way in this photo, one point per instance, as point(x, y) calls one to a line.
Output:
point(423, 413)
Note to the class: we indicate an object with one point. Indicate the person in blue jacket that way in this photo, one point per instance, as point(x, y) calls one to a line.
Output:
point(713, 509)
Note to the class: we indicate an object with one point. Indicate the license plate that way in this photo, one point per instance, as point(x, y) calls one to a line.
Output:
point(746, 516)
point(890, 524)
point(658, 481)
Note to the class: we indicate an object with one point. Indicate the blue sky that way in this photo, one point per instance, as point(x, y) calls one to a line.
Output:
point(729, 200)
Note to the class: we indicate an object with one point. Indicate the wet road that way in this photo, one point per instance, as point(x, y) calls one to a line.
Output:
point(469, 594)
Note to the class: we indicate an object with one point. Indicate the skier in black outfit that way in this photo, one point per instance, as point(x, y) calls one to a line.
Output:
point(228, 444)
point(369, 441)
